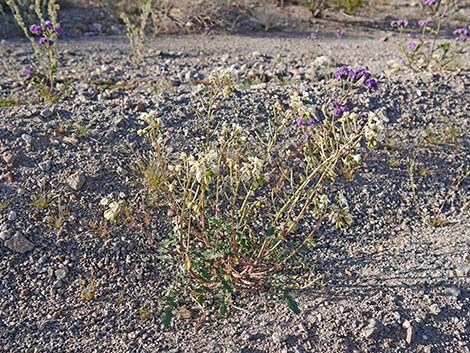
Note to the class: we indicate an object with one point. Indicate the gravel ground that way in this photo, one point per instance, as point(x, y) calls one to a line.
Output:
point(69, 283)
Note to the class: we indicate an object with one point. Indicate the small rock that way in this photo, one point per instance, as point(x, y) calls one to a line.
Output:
point(76, 181)
point(462, 271)
point(45, 166)
point(452, 292)
point(410, 334)
point(18, 243)
point(434, 309)
point(262, 85)
point(9, 158)
point(60, 273)
point(372, 330)
point(279, 337)
point(406, 324)
point(27, 138)
point(12, 215)
point(4, 235)
point(46, 113)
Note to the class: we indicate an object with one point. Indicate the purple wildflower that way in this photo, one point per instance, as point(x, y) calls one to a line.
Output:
point(35, 29)
point(412, 46)
point(423, 23)
point(338, 112)
point(300, 122)
point(311, 122)
point(372, 84)
point(339, 109)
point(58, 30)
point(48, 24)
point(27, 71)
point(340, 33)
point(345, 72)
point(399, 23)
point(430, 2)
point(46, 41)
point(361, 72)
point(462, 34)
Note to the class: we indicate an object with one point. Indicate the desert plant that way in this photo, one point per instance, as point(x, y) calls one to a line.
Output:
point(43, 38)
point(244, 205)
point(348, 6)
point(426, 53)
point(135, 31)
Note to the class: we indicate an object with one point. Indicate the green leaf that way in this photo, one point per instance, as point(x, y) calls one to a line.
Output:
point(167, 316)
point(291, 303)
point(270, 232)
point(223, 308)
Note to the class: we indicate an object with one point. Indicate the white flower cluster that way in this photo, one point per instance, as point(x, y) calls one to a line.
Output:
point(203, 167)
point(252, 169)
point(299, 107)
point(114, 209)
point(374, 128)
point(233, 132)
point(153, 123)
point(339, 215)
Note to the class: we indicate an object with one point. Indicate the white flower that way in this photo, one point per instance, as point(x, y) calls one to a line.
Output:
point(113, 211)
point(105, 201)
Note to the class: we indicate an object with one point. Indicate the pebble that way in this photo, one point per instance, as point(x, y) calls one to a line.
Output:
point(18, 243)
point(9, 157)
point(12, 215)
point(46, 113)
point(27, 138)
point(76, 181)
point(462, 271)
point(410, 334)
point(452, 292)
point(5, 234)
point(372, 330)
point(434, 309)
point(60, 273)
point(45, 166)
point(279, 337)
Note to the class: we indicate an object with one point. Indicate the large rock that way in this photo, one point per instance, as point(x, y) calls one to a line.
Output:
point(18, 243)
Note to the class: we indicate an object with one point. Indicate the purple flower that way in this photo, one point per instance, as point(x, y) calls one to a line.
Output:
point(338, 112)
point(412, 46)
point(371, 84)
point(35, 29)
point(399, 23)
point(430, 2)
point(462, 34)
point(423, 23)
point(58, 30)
point(46, 41)
point(27, 71)
point(311, 122)
point(340, 33)
point(48, 24)
point(361, 72)
point(345, 72)
point(339, 109)
point(300, 122)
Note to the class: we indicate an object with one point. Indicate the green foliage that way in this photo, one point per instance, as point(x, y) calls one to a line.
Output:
point(348, 6)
